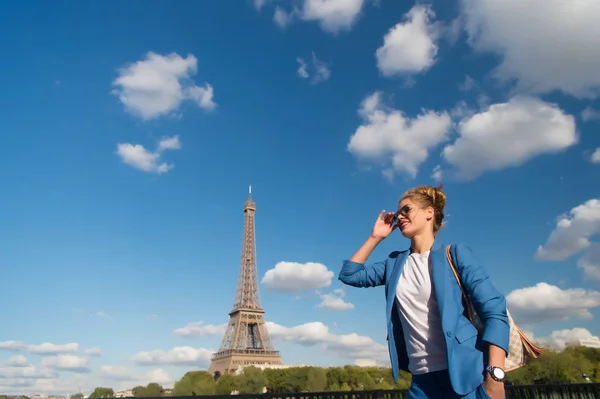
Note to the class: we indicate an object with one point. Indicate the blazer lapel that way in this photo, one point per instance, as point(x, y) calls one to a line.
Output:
point(394, 277)
point(439, 277)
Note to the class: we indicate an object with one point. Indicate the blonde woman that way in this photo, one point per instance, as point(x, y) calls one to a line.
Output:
point(428, 334)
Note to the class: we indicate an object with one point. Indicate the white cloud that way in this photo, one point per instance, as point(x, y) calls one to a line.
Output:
point(589, 114)
point(157, 85)
point(46, 348)
point(181, 355)
point(130, 378)
point(302, 72)
point(589, 263)
point(332, 15)
point(12, 345)
point(117, 373)
point(351, 346)
point(410, 46)
point(595, 158)
point(159, 376)
point(48, 384)
point(544, 45)
point(334, 301)
point(437, 174)
point(296, 277)
point(388, 136)
point(67, 362)
point(282, 18)
point(572, 232)
point(197, 329)
point(103, 314)
point(17, 361)
point(487, 139)
point(92, 351)
point(26, 372)
point(544, 302)
point(140, 158)
point(559, 340)
point(365, 363)
point(258, 4)
point(319, 70)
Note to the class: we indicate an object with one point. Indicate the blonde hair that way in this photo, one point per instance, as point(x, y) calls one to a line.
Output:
point(429, 196)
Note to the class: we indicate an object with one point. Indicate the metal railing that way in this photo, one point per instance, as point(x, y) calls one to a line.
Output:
point(550, 391)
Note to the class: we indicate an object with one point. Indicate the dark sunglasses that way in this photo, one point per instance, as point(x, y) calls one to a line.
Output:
point(404, 211)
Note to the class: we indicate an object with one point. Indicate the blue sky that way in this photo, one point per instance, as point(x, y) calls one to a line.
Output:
point(131, 131)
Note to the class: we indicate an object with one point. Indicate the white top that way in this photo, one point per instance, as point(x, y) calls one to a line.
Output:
point(420, 317)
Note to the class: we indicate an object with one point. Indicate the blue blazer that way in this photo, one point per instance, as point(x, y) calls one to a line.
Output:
point(464, 348)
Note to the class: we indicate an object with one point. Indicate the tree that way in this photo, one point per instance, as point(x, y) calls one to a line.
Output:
point(101, 392)
point(316, 379)
point(151, 390)
point(252, 380)
point(195, 383)
point(226, 384)
point(76, 396)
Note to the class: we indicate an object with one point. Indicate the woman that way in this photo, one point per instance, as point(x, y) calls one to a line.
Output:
point(428, 335)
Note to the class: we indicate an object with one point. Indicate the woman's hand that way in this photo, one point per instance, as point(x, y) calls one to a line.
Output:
point(495, 390)
point(383, 226)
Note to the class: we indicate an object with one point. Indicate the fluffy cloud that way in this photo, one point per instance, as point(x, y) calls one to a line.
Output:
point(282, 18)
point(334, 301)
point(387, 136)
point(572, 232)
point(487, 139)
point(40, 349)
point(589, 263)
point(297, 277)
point(595, 158)
point(410, 46)
point(589, 114)
point(92, 351)
point(181, 355)
point(117, 373)
point(350, 346)
point(140, 158)
point(560, 51)
point(17, 361)
point(544, 302)
point(26, 372)
point(332, 15)
point(319, 70)
point(197, 329)
point(559, 340)
point(67, 362)
point(157, 85)
point(36, 383)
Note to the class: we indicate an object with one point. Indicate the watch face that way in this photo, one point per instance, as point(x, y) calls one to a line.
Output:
point(498, 373)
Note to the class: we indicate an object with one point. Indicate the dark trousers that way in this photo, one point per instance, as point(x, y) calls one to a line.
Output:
point(436, 385)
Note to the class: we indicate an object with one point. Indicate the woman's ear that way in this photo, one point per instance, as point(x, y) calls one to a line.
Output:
point(430, 213)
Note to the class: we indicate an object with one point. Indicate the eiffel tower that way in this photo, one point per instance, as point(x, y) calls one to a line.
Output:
point(246, 340)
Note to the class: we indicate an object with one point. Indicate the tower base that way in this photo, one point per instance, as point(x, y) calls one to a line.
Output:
point(229, 361)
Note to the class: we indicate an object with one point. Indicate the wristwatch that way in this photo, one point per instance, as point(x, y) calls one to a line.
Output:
point(497, 373)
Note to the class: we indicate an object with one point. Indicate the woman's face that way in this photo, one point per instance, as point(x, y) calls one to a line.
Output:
point(412, 218)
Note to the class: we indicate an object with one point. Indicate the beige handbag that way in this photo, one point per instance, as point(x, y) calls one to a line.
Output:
point(520, 348)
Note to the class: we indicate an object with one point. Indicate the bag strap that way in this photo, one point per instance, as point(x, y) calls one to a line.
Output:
point(462, 289)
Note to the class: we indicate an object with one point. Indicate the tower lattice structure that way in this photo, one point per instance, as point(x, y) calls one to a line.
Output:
point(246, 340)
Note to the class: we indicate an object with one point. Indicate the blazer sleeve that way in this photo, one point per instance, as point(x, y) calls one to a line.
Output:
point(490, 303)
point(362, 276)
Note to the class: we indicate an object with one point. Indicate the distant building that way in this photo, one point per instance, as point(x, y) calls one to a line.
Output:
point(124, 393)
point(592, 342)
point(240, 368)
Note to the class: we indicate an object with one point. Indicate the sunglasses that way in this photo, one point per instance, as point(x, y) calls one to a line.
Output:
point(404, 211)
